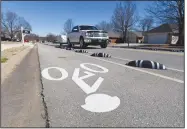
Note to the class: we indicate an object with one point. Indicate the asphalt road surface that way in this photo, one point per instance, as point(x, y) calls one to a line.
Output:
point(78, 90)
point(85, 91)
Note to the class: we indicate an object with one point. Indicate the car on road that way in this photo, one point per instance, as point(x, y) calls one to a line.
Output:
point(85, 35)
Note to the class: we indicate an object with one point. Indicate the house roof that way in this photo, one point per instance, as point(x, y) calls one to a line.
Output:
point(137, 33)
point(165, 28)
point(114, 34)
point(118, 34)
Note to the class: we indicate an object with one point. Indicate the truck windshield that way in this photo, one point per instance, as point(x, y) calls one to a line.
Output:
point(88, 28)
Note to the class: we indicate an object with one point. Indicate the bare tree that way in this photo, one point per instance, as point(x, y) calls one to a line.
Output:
point(124, 17)
point(32, 37)
point(146, 24)
point(11, 23)
point(68, 25)
point(104, 26)
point(169, 12)
point(22, 22)
point(50, 37)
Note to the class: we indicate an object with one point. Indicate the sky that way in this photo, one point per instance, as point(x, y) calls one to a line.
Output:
point(49, 16)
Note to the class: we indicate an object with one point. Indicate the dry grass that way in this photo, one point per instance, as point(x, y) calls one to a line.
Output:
point(8, 53)
point(4, 59)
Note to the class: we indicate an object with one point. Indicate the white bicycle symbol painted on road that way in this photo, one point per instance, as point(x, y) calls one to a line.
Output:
point(94, 102)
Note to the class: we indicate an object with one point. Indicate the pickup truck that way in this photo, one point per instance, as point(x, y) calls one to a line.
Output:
point(85, 35)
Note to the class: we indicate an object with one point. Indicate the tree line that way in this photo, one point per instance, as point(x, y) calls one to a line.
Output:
point(11, 24)
point(125, 18)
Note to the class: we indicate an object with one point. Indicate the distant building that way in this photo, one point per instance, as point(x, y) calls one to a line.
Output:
point(5, 36)
point(161, 34)
point(132, 37)
point(115, 37)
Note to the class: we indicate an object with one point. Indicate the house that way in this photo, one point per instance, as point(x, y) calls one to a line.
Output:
point(115, 37)
point(5, 37)
point(162, 34)
point(132, 37)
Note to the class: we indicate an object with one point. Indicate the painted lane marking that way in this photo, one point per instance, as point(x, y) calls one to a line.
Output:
point(140, 70)
point(101, 103)
point(105, 70)
point(121, 58)
point(175, 69)
point(45, 73)
point(84, 86)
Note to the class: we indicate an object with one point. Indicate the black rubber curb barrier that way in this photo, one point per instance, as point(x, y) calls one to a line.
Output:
point(101, 55)
point(68, 48)
point(146, 64)
point(81, 51)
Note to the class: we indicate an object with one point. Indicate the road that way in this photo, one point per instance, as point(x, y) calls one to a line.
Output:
point(79, 90)
point(107, 93)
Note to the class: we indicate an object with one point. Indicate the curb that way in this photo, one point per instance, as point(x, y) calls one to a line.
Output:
point(153, 49)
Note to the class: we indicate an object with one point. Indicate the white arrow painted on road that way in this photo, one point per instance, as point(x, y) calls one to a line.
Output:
point(84, 86)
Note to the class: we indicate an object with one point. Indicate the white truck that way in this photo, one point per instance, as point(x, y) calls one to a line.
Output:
point(85, 35)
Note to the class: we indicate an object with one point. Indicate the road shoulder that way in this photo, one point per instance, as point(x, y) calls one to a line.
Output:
point(14, 56)
point(20, 94)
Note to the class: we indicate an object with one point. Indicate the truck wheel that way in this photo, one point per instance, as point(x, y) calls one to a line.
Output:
point(69, 44)
point(104, 45)
point(82, 44)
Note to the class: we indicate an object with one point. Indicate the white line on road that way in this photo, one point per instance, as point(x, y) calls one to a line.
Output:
point(144, 71)
point(121, 58)
point(175, 69)
point(124, 59)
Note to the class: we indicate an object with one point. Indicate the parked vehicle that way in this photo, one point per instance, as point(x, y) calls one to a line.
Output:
point(26, 40)
point(85, 35)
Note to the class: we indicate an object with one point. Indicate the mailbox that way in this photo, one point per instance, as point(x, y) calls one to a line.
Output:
point(26, 31)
